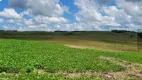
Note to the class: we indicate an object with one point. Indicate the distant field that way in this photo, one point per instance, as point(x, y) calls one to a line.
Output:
point(36, 60)
point(106, 36)
point(101, 40)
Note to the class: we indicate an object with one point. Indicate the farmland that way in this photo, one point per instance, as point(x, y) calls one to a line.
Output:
point(101, 40)
point(70, 39)
point(45, 57)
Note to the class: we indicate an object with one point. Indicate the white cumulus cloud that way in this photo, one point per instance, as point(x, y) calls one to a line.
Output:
point(50, 8)
point(126, 14)
point(47, 15)
point(10, 13)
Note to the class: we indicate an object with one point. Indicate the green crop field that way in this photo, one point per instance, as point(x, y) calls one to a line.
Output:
point(70, 39)
point(101, 40)
point(36, 60)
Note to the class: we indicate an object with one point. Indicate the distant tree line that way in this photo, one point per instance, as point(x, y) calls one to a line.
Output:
point(140, 35)
point(121, 31)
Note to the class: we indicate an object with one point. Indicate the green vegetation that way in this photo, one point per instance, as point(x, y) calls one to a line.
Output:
point(101, 40)
point(106, 36)
point(49, 56)
point(25, 58)
point(17, 55)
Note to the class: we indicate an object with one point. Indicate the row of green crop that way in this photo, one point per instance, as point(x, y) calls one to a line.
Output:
point(17, 55)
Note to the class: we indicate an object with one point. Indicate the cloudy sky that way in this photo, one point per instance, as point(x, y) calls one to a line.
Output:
point(70, 15)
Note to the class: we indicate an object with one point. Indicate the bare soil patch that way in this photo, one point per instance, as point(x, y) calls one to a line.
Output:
point(75, 46)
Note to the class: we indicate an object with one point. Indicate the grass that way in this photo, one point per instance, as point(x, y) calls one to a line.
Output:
point(90, 35)
point(94, 44)
point(51, 57)
point(18, 56)
point(43, 56)
point(101, 40)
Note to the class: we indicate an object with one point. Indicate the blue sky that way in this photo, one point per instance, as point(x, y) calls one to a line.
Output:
point(70, 15)
point(72, 9)
point(3, 4)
